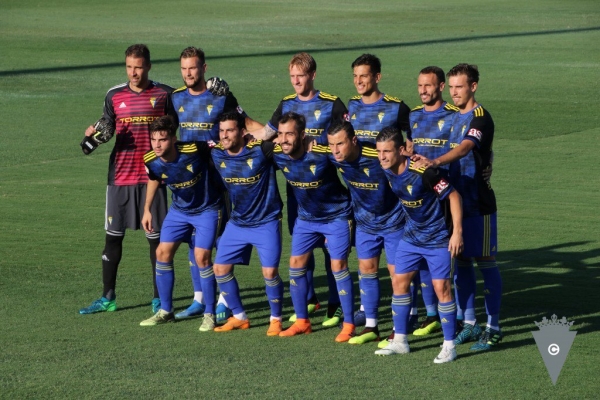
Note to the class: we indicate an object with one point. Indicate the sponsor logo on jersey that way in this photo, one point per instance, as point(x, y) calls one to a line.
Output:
point(430, 142)
point(209, 108)
point(366, 133)
point(412, 203)
point(313, 131)
point(239, 109)
point(441, 186)
point(366, 170)
point(222, 165)
point(444, 321)
point(365, 185)
point(185, 184)
point(313, 169)
point(197, 126)
point(164, 176)
point(241, 180)
point(138, 120)
point(440, 124)
point(250, 162)
point(380, 116)
point(306, 185)
point(317, 114)
point(153, 101)
point(474, 133)
point(122, 105)
point(181, 109)
point(409, 188)
point(190, 168)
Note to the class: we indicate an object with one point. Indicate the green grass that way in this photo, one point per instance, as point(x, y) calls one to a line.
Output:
point(539, 64)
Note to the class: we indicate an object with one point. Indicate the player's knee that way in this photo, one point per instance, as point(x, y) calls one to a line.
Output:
point(401, 284)
point(202, 257)
point(270, 273)
point(164, 253)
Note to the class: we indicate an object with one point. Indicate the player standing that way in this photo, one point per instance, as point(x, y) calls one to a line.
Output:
point(196, 205)
point(378, 213)
point(472, 138)
point(324, 211)
point(130, 108)
point(426, 237)
point(248, 172)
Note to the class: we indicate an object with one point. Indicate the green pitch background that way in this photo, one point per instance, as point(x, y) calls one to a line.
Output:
point(539, 63)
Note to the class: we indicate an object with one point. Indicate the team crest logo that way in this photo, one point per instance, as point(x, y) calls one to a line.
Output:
point(223, 164)
point(317, 114)
point(440, 124)
point(164, 176)
point(250, 162)
point(285, 169)
point(366, 171)
point(181, 109)
point(190, 168)
point(409, 188)
point(122, 105)
point(415, 126)
point(209, 108)
point(109, 220)
point(153, 101)
point(380, 116)
point(313, 169)
point(353, 116)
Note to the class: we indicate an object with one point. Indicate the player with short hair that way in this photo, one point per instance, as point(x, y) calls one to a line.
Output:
point(196, 205)
point(378, 214)
point(430, 125)
point(426, 237)
point(248, 172)
point(130, 108)
point(472, 139)
point(198, 109)
point(324, 211)
point(320, 111)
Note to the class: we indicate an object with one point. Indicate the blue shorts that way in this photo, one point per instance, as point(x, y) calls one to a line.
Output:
point(480, 236)
point(235, 241)
point(308, 235)
point(409, 258)
point(177, 227)
point(370, 246)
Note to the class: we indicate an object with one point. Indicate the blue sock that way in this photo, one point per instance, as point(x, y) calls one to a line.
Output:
point(274, 289)
point(346, 294)
point(165, 280)
point(228, 286)
point(310, 273)
point(195, 274)
point(448, 318)
point(298, 290)
point(465, 284)
point(401, 312)
point(492, 284)
point(369, 294)
point(428, 293)
point(209, 288)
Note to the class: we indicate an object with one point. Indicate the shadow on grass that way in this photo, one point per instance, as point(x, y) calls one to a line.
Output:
point(314, 51)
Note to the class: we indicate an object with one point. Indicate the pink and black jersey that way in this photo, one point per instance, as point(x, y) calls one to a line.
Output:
point(132, 114)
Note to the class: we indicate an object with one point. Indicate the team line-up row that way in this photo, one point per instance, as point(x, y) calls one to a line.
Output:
point(416, 184)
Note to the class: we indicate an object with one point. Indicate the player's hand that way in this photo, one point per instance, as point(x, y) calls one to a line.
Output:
point(90, 130)
point(421, 161)
point(309, 143)
point(147, 222)
point(487, 174)
point(455, 246)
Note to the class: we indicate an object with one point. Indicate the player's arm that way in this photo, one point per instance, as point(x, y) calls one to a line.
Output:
point(151, 189)
point(455, 246)
point(269, 130)
point(339, 112)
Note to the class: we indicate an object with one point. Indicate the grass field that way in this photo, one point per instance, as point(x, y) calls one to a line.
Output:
point(539, 63)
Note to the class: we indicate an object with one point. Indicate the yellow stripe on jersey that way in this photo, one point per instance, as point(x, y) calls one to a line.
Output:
point(391, 98)
point(418, 107)
point(181, 89)
point(277, 149)
point(254, 143)
point(450, 107)
point(411, 166)
point(219, 146)
point(327, 96)
point(149, 156)
point(187, 148)
point(317, 148)
point(479, 112)
point(290, 97)
point(366, 151)
point(357, 97)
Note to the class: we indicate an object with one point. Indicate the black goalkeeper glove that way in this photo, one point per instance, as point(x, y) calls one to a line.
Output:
point(217, 86)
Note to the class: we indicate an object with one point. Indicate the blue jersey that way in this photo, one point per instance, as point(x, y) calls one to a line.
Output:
point(477, 194)
point(377, 209)
point(187, 176)
point(320, 112)
point(430, 130)
point(250, 180)
point(321, 195)
point(421, 192)
point(369, 119)
point(199, 114)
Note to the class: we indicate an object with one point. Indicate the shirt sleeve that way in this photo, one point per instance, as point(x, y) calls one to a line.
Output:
point(274, 121)
point(437, 183)
point(403, 119)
